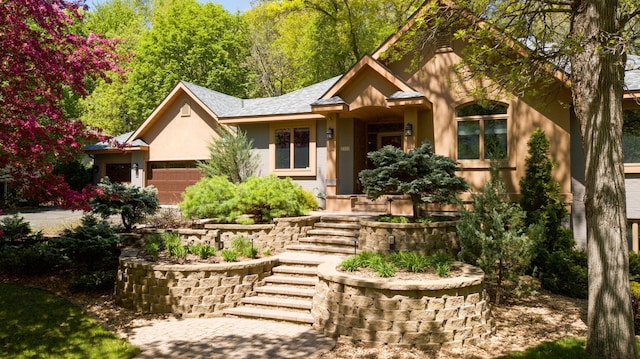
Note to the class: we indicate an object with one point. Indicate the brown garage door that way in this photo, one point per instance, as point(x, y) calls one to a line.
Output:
point(171, 179)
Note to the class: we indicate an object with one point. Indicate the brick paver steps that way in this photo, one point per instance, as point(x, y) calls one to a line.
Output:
point(287, 294)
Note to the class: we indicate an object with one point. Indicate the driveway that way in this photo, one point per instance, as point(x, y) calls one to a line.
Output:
point(50, 220)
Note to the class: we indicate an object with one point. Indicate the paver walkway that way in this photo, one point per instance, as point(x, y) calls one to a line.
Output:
point(228, 338)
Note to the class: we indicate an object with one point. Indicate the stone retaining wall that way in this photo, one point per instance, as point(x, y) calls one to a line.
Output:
point(424, 238)
point(189, 291)
point(449, 312)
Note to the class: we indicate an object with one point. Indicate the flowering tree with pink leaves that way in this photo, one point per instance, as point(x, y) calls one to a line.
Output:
point(42, 56)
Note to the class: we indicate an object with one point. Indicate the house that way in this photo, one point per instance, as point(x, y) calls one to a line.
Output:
point(320, 135)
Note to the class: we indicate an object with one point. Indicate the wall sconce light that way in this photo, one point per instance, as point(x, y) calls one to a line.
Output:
point(408, 129)
point(136, 167)
point(330, 133)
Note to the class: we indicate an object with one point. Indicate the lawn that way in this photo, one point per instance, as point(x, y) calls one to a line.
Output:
point(36, 324)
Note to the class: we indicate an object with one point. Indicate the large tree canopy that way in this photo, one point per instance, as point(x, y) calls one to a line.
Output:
point(42, 58)
point(172, 40)
point(526, 45)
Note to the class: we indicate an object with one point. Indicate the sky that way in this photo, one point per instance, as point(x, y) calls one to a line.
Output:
point(231, 5)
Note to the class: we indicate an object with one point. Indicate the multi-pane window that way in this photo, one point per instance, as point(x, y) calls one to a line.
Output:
point(482, 131)
point(631, 136)
point(292, 148)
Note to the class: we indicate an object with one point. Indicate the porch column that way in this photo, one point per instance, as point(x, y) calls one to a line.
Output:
point(410, 122)
point(331, 181)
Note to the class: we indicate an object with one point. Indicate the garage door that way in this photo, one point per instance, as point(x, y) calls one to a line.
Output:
point(171, 179)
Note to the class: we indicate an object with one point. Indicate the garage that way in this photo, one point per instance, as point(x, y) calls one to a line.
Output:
point(171, 179)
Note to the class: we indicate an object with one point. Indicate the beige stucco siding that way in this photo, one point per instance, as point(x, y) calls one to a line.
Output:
point(177, 138)
point(447, 89)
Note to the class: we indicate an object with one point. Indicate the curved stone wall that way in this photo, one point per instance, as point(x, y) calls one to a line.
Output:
point(189, 291)
point(424, 238)
point(448, 312)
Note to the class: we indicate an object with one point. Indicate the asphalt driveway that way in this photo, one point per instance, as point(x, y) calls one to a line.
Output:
point(48, 219)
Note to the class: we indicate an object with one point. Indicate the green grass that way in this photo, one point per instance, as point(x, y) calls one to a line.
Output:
point(565, 348)
point(37, 324)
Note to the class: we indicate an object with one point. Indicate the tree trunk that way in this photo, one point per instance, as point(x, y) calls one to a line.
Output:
point(597, 86)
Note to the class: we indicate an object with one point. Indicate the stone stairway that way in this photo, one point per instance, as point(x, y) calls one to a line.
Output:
point(288, 293)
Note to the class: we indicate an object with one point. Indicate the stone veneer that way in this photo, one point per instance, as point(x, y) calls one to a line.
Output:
point(448, 312)
point(187, 290)
point(424, 238)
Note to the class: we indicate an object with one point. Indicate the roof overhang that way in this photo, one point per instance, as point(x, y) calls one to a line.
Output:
point(271, 118)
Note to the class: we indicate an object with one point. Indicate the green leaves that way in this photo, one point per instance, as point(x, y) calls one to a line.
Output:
point(420, 173)
point(230, 156)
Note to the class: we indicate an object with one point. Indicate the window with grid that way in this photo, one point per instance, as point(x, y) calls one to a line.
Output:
point(482, 131)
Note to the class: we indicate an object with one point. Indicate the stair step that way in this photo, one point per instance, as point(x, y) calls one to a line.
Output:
point(328, 240)
point(261, 313)
point(278, 302)
point(366, 203)
point(285, 269)
point(332, 232)
point(336, 218)
point(320, 248)
point(285, 290)
point(283, 279)
point(338, 225)
point(306, 259)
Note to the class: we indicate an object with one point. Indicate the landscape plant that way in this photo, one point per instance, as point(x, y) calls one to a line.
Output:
point(386, 265)
point(209, 198)
point(231, 156)
point(493, 234)
point(204, 251)
point(129, 201)
point(242, 245)
point(421, 174)
point(229, 255)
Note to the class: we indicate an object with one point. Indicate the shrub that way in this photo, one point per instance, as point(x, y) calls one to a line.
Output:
point(92, 246)
point(209, 198)
point(32, 259)
point(634, 265)
point(421, 174)
point(392, 219)
point(231, 156)
point(153, 244)
point(412, 261)
point(492, 234)
point(166, 218)
point(635, 304)
point(350, 264)
point(269, 197)
point(93, 282)
point(566, 273)
point(172, 243)
point(15, 230)
point(229, 255)
point(131, 202)
point(242, 245)
point(203, 251)
point(385, 269)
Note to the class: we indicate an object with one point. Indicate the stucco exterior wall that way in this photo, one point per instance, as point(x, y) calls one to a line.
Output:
point(174, 137)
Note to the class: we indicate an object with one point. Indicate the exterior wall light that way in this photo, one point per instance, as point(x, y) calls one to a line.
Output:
point(330, 133)
point(136, 167)
point(408, 129)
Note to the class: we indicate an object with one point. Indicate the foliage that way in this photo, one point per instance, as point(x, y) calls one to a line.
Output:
point(166, 218)
point(229, 255)
point(31, 259)
point(245, 221)
point(209, 198)
point(186, 41)
point(60, 328)
point(14, 229)
point(203, 251)
point(270, 197)
point(392, 219)
point(35, 130)
point(76, 174)
point(90, 247)
point(243, 246)
point(131, 202)
point(492, 234)
point(566, 273)
point(634, 265)
point(172, 243)
point(385, 265)
point(542, 202)
point(419, 173)
point(299, 42)
point(635, 303)
point(230, 156)
point(99, 281)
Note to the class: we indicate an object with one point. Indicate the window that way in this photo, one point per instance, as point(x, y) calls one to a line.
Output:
point(482, 131)
point(293, 150)
point(631, 136)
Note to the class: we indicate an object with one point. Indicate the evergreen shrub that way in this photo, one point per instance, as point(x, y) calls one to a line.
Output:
point(129, 201)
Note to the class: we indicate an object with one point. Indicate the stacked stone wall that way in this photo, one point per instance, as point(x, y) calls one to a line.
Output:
point(450, 312)
point(424, 238)
point(188, 291)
